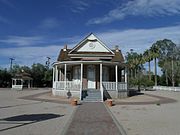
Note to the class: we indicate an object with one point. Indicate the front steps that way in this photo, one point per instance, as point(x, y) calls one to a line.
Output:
point(91, 95)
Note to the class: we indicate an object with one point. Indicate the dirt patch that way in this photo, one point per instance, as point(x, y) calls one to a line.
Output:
point(47, 97)
point(144, 99)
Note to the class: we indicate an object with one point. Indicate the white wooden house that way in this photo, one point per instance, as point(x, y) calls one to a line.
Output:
point(90, 71)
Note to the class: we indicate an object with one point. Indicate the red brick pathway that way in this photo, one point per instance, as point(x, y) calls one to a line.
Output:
point(92, 119)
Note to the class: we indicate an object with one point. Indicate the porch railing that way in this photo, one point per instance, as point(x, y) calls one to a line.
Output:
point(75, 86)
point(19, 87)
point(70, 85)
point(111, 86)
point(122, 86)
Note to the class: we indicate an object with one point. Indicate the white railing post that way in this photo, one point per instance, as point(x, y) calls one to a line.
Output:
point(125, 75)
point(65, 66)
point(125, 78)
point(81, 85)
point(53, 80)
point(56, 78)
point(101, 88)
point(116, 72)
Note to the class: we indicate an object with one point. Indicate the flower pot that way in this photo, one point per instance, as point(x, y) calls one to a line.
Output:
point(109, 102)
point(74, 102)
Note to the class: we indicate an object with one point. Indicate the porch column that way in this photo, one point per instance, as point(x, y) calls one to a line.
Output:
point(65, 70)
point(81, 85)
point(126, 78)
point(53, 75)
point(22, 82)
point(101, 88)
point(29, 85)
point(56, 78)
point(60, 74)
point(125, 75)
point(116, 72)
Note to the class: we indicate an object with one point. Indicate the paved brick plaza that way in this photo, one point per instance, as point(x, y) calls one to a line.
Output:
point(36, 112)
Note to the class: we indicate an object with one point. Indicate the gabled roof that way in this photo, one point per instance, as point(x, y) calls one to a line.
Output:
point(23, 75)
point(81, 51)
point(63, 55)
point(91, 38)
point(118, 57)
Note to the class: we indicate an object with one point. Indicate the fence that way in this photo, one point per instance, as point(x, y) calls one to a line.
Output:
point(166, 88)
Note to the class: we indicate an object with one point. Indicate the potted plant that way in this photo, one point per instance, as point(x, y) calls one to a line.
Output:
point(74, 102)
point(109, 102)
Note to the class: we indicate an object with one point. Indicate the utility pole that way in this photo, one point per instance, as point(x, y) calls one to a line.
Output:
point(48, 61)
point(11, 60)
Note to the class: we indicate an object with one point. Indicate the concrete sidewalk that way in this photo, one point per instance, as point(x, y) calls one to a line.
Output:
point(28, 117)
point(160, 118)
point(92, 119)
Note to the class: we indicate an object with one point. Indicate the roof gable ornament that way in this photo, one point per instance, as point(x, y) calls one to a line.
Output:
point(91, 44)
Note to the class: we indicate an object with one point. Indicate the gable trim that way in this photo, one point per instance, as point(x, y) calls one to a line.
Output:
point(86, 38)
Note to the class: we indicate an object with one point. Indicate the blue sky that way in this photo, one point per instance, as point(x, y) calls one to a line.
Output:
point(31, 30)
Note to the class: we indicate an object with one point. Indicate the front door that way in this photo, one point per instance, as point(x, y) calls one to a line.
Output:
point(91, 77)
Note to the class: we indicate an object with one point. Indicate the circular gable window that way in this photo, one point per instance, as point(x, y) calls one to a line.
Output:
point(92, 46)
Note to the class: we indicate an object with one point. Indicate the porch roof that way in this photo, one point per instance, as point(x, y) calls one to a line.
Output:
point(89, 62)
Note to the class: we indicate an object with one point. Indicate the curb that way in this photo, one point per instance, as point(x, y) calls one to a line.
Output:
point(119, 126)
point(66, 126)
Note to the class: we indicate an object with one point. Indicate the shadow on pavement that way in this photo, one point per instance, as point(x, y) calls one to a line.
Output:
point(27, 119)
point(2, 107)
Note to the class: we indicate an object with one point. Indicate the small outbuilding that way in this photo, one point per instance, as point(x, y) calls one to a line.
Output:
point(22, 80)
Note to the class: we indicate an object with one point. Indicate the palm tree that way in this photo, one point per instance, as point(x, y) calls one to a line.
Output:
point(135, 62)
point(148, 58)
point(129, 59)
point(155, 54)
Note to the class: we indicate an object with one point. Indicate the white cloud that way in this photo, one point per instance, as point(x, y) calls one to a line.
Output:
point(140, 8)
point(139, 39)
point(22, 40)
point(79, 6)
point(49, 23)
point(30, 55)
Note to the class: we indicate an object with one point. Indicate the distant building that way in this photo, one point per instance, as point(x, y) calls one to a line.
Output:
point(90, 71)
point(22, 80)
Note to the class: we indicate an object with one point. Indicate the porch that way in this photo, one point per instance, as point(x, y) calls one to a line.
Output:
point(72, 79)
